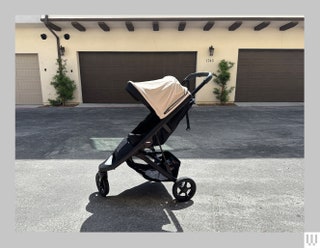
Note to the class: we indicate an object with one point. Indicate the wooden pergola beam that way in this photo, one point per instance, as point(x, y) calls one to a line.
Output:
point(78, 26)
point(104, 26)
point(208, 26)
point(235, 25)
point(53, 26)
point(129, 26)
point(261, 26)
point(288, 26)
point(182, 26)
point(155, 26)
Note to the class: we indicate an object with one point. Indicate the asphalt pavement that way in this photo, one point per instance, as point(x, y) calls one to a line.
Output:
point(247, 162)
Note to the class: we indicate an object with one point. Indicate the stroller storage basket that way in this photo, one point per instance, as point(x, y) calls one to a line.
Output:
point(166, 161)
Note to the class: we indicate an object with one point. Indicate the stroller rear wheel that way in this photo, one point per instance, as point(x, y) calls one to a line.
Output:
point(184, 189)
point(102, 184)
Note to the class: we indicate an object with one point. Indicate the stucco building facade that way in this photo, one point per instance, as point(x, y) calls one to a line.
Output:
point(104, 52)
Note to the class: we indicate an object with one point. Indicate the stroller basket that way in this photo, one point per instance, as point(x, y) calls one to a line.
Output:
point(166, 161)
point(168, 102)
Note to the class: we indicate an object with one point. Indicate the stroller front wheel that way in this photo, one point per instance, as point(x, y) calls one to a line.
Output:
point(184, 189)
point(102, 184)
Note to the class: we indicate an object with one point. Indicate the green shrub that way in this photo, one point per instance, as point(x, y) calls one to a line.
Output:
point(55, 102)
point(223, 76)
point(63, 85)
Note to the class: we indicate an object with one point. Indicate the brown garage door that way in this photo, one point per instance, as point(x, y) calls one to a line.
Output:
point(104, 75)
point(270, 76)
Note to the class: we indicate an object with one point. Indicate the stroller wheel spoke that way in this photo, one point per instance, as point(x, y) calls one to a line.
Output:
point(180, 192)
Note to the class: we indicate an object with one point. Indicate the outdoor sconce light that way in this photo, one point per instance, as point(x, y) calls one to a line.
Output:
point(211, 50)
point(62, 50)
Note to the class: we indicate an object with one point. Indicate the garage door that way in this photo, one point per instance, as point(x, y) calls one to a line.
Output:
point(270, 76)
point(104, 75)
point(28, 85)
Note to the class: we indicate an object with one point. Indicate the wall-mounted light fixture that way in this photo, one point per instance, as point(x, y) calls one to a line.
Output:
point(211, 50)
point(62, 50)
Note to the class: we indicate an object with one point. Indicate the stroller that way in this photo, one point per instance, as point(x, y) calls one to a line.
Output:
point(168, 102)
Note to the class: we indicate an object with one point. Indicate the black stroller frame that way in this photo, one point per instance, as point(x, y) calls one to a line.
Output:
point(140, 145)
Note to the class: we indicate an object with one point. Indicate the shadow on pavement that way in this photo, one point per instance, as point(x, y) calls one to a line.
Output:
point(147, 207)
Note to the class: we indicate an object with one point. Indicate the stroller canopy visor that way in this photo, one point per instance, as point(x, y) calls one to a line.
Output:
point(163, 95)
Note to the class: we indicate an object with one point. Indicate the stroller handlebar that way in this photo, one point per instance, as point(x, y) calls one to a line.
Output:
point(208, 76)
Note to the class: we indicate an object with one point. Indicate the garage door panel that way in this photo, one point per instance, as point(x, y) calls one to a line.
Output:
point(104, 75)
point(270, 75)
point(28, 84)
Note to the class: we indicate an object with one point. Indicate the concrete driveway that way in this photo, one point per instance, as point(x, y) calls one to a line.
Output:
point(247, 163)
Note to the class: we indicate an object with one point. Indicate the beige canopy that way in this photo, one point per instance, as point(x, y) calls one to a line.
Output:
point(163, 95)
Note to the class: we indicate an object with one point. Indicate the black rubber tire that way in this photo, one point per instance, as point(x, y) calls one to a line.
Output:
point(184, 189)
point(102, 184)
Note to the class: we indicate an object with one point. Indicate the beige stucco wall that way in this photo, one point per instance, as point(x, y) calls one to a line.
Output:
point(226, 46)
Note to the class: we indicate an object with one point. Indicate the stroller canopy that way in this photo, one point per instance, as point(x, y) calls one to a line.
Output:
point(163, 95)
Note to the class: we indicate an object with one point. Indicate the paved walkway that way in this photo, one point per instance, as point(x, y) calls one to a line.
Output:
point(247, 163)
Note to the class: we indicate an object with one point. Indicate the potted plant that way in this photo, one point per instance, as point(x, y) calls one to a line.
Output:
point(223, 76)
point(63, 85)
